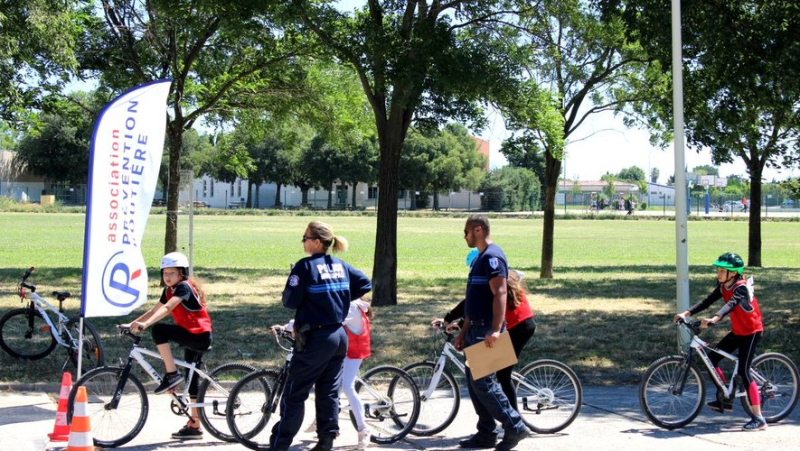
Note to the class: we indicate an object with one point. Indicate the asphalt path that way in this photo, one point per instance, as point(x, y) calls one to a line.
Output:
point(610, 419)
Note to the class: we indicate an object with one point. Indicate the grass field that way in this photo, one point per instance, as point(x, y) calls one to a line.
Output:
point(606, 313)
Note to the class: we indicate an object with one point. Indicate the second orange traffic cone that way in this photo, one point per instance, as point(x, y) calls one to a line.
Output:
point(61, 429)
point(80, 431)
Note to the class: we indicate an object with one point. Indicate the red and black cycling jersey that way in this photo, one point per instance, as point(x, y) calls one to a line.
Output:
point(744, 310)
point(190, 314)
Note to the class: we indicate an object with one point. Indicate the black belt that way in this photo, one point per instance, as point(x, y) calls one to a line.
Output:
point(479, 322)
point(323, 326)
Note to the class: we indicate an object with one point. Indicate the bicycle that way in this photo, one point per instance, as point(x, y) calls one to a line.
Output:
point(118, 404)
point(390, 398)
point(549, 394)
point(31, 334)
point(672, 391)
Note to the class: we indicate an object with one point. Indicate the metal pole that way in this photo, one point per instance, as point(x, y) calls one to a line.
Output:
point(681, 235)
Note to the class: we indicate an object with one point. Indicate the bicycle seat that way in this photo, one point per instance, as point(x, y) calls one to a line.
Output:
point(198, 350)
point(61, 295)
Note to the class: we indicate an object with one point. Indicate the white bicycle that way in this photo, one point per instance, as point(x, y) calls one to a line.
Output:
point(118, 403)
point(549, 394)
point(30, 333)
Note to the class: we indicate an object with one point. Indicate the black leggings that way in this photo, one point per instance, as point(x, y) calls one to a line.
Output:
point(746, 346)
point(165, 333)
point(520, 334)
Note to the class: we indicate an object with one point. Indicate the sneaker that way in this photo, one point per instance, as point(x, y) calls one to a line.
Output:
point(512, 438)
point(756, 424)
point(188, 433)
point(170, 380)
point(363, 438)
point(479, 441)
point(716, 406)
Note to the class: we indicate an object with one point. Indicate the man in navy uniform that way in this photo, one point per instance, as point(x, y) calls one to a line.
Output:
point(485, 309)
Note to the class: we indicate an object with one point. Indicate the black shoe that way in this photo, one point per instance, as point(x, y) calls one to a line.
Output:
point(325, 443)
point(479, 441)
point(511, 439)
point(716, 406)
point(188, 433)
point(170, 380)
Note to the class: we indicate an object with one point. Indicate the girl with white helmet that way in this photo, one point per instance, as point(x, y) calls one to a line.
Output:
point(184, 300)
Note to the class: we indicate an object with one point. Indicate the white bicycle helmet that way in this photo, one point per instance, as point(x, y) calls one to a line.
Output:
point(176, 260)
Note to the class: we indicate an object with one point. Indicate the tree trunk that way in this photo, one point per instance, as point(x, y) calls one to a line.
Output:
point(384, 271)
point(330, 197)
point(355, 185)
point(413, 198)
point(175, 133)
point(552, 171)
point(249, 203)
point(754, 226)
point(258, 202)
point(304, 196)
point(435, 198)
point(278, 203)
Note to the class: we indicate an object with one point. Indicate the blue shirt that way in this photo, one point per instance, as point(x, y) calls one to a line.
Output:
point(489, 264)
point(320, 288)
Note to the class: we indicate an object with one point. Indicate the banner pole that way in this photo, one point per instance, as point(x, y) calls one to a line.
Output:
point(80, 346)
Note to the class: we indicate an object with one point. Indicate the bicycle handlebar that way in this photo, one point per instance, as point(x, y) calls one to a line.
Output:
point(694, 326)
point(27, 274)
point(282, 333)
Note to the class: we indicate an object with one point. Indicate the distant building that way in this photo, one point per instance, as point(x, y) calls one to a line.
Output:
point(18, 185)
point(483, 148)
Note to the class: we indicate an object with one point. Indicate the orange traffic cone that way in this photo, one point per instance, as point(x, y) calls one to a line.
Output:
point(80, 431)
point(61, 429)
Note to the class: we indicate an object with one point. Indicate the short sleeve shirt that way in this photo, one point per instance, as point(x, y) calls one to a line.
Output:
point(321, 287)
point(489, 264)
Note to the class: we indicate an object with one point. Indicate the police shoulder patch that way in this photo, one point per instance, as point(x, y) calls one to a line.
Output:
point(294, 280)
point(494, 262)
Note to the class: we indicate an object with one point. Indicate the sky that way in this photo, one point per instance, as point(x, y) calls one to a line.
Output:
point(603, 144)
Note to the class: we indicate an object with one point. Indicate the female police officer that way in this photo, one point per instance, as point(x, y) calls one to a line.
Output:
point(320, 288)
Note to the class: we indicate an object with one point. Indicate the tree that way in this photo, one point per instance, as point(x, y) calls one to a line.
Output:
point(741, 80)
point(56, 146)
point(509, 189)
point(580, 60)
point(654, 173)
point(631, 174)
point(416, 61)
point(221, 57)
point(706, 169)
point(37, 41)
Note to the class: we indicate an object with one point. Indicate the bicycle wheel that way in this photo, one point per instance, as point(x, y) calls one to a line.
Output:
point(658, 397)
point(117, 425)
point(93, 355)
point(24, 334)
point(778, 382)
point(549, 396)
point(251, 406)
point(213, 393)
point(440, 399)
point(391, 403)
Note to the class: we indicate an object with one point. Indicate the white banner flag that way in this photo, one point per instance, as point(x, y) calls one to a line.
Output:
point(124, 160)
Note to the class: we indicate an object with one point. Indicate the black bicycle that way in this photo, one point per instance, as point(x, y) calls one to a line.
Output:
point(33, 332)
point(389, 395)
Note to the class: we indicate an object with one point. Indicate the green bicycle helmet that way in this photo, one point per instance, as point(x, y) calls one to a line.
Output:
point(730, 261)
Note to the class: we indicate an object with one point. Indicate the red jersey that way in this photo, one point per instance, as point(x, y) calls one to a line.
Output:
point(519, 314)
point(746, 314)
point(358, 345)
point(190, 314)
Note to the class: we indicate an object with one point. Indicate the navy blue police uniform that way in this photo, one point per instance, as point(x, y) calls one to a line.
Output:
point(320, 288)
point(486, 393)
